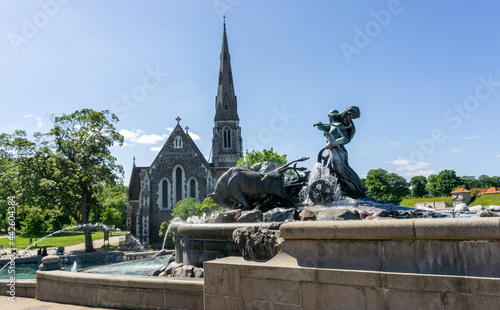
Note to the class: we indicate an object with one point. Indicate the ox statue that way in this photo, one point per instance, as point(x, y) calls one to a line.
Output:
point(263, 184)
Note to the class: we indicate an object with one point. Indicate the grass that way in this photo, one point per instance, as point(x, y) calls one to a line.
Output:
point(62, 239)
point(411, 202)
point(486, 200)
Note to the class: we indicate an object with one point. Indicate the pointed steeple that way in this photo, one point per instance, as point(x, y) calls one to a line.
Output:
point(225, 101)
point(227, 144)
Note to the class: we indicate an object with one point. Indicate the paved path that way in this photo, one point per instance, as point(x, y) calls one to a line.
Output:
point(23, 303)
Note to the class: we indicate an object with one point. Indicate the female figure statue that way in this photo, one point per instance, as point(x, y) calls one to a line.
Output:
point(339, 132)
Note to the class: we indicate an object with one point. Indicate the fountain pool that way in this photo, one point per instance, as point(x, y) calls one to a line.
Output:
point(141, 267)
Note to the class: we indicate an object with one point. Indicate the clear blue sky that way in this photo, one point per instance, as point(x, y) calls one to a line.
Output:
point(425, 74)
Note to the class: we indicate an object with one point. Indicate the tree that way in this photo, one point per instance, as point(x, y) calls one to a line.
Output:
point(34, 223)
point(376, 183)
point(432, 185)
point(446, 181)
point(398, 188)
point(254, 157)
point(66, 167)
point(469, 181)
point(385, 186)
point(112, 205)
point(418, 184)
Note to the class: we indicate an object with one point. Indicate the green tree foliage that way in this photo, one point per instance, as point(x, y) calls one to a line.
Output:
point(432, 186)
point(186, 208)
point(65, 168)
point(35, 224)
point(418, 184)
point(112, 207)
point(376, 183)
point(447, 180)
point(385, 186)
point(254, 157)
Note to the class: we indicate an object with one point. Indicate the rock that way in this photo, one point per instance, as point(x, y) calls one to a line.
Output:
point(486, 213)
point(404, 215)
point(280, 215)
point(198, 272)
point(307, 215)
point(461, 207)
point(475, 209)
point(383, 213)
point(156, 272)
point(363, 214)
point(416, 213)
point(253, 216)
point(185, 271)
point(227, 217)
point(51, 259)
point(258, 243)
point(338, 214)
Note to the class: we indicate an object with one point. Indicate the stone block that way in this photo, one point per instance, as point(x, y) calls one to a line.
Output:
point(439, 257)
point(399, 256)
point(403, 299)
point(348, 277)
point(329, 296)
point(482, 258)
point(484, 286)
point(425, 282)
point(221, 280)
point(151, 298)
point(343, 254)
point(270, 290)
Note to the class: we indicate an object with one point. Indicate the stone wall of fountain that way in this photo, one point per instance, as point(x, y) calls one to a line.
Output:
point(197, 243)
point(403, 264)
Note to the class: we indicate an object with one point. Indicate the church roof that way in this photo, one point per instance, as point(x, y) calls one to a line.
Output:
point(225, 101)
point(134, 186)
point(178, 131)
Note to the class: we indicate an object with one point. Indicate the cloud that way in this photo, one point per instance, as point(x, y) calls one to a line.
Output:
point(135, 136)
point(407, 166)
point(424, 173)
point(194, 136)
point(498, 155)
point(399, 162)
point(155, 148)
point(472, 137)
point(170, 129)
point(38, 119)
point(457, 150)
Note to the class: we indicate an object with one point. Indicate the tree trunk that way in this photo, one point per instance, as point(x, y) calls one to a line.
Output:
point(89, 247)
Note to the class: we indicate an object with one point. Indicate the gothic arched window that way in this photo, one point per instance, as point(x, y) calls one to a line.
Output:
point(178, 142)
point(178, 184)
point(192, 188)
point(227, 137)
point(164, 194)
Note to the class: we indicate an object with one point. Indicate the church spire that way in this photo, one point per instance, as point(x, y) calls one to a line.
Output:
point(225, 101)
point(227, 144)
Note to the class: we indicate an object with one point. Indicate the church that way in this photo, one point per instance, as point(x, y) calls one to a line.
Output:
point(180, 170)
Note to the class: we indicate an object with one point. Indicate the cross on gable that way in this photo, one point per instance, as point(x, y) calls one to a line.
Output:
point(178, 119)
point(187, 128)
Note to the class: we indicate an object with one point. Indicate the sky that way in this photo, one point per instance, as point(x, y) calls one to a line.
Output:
point(425, 75)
